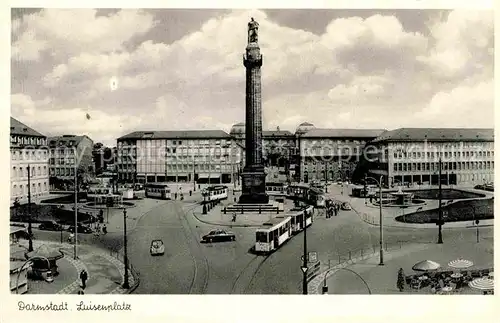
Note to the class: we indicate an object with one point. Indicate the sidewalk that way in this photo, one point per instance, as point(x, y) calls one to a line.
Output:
point(382, 279)
point(105, 271)
point(370, 213)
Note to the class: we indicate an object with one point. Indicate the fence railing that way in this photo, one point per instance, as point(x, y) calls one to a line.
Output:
point(366, 252)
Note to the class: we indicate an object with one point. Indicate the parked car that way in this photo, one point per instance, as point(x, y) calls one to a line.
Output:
point(50, 226)
point(219, 235)
point(157, 248)
point(345, 206)
point(81, 228)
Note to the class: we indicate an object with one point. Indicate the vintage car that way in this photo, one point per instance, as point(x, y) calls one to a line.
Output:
point(345, 206)
point(50, 226)
point(82, 228)
point(219, 235)
point(157, 248)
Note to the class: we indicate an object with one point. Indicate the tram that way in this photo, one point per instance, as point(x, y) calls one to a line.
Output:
point(158, 190)
point(307, 194)
point(215, 193)
point(276, 189)
point(297, 219)
point(273, 234)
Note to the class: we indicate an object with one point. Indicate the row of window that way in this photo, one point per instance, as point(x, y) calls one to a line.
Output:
point(329, 142)
point(18, 172)
point(446, 154)
point(445, 166)
point(20, 190)
point(24, 140)
point(331, 152)
point(62, 161)
point(28, 154)
point(65, 171)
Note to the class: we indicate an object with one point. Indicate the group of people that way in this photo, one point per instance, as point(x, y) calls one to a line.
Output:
point(332, 208)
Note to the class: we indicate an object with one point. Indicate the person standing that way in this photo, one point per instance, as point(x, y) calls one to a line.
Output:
point(401, 280)
point(84, 276)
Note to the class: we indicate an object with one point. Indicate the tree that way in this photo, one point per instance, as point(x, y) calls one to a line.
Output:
point(401, 280)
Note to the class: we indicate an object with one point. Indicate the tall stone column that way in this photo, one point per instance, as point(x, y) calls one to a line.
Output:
point(253, 175)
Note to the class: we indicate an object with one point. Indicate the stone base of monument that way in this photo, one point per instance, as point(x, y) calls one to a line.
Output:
point(272, 206)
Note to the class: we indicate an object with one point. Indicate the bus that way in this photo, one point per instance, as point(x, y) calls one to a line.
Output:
point(215, 193)
point(158, 190)
point(273, 234)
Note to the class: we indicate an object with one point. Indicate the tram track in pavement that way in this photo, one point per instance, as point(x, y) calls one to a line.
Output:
point(239, 286)
point(188, 231)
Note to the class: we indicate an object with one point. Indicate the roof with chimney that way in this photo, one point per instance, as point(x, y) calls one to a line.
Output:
point(436, 134)
point(19, 128)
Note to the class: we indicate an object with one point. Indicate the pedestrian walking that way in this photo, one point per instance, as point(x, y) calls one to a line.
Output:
point(401, 280)
point(104, 229)
point(71, 237)
point(84, 276)
point(234, 217)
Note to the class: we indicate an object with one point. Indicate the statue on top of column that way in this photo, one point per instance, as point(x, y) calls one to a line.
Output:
point(253, 28)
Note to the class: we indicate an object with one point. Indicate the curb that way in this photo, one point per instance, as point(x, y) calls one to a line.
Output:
point(79, 266)
point(120, 266)
point(314, 284)
point(227, 225)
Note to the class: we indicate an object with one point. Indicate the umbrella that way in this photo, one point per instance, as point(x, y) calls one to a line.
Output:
point(426, 265)
point(460, 264)
point(482, 284)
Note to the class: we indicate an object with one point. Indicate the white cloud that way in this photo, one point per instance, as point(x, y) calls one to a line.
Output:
point(71, 32)
point(463, 43)
point(359, 73)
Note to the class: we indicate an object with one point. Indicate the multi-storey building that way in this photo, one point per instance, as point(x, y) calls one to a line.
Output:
point(412, 156)
point(65, 151)
point(27, 150)
point(332, 154)
point(200, 156)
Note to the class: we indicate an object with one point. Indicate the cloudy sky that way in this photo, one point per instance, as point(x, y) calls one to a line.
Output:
point(182, 69)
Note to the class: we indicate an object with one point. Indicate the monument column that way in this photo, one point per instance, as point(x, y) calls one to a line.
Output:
point(253, 175)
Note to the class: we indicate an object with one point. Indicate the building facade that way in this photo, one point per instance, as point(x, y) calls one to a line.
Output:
point(202, 156)
point(411, 156)
point(28, 149)
point(66, 153)
point(332, 154)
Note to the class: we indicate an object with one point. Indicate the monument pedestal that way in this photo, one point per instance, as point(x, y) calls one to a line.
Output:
point(254, 187)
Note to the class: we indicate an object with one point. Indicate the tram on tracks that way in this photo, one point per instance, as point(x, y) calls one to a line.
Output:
point(158, 190)
point(275, 233)
point(276, 189)
point(310, 195)
point(215, 193)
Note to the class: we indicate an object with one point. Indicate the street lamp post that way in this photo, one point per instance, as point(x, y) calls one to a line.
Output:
point(305, 267)
point(440, 210)
point(30, 231)
point(324, 290)
point(125, 258)
point(75, 251)
point(27, 262)
point(381, 219)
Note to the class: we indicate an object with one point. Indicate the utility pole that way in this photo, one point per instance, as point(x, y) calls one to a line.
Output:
point(125, 277)
point(75, 254)
point(440, 220)
point(304, 265)
point(194, 176)
point(30, 230)
point(381, 223)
